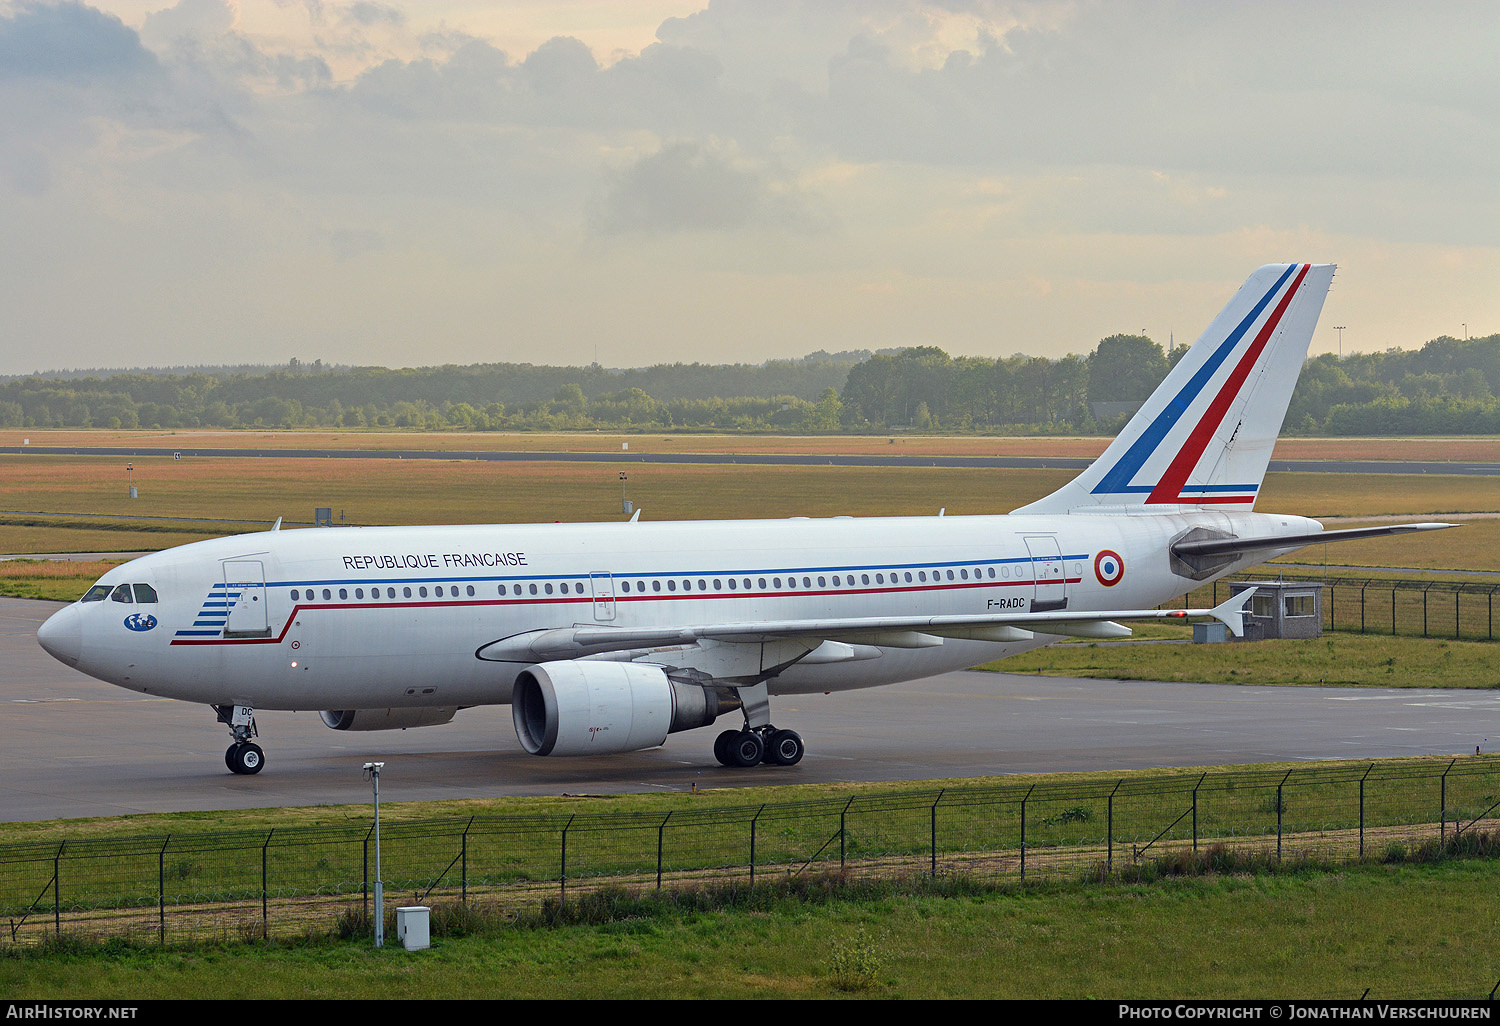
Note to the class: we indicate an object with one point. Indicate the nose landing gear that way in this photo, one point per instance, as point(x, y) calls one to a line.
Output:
point(244, 756)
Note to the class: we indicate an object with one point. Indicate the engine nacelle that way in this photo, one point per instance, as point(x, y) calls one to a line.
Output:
point(600, 708)
point(387, 719)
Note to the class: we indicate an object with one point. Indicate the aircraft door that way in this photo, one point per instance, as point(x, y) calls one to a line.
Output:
point(1047, 571)
point(604, 596)
point(245, 596)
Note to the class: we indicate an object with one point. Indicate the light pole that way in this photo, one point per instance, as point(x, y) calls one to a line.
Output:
point(624, 505)
point(130, 478)
point(1340, 329)
point(372, 773)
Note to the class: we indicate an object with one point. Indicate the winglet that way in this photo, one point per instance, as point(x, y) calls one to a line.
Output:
point(636, 515)
point(1231, 612)
point(276, 526)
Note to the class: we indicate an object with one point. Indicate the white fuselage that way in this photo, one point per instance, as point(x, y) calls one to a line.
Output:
point(394, 617)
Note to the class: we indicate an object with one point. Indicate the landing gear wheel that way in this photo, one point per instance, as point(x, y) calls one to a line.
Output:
point(721, 747)
point(245, 758)
point(785, 748)
point(747, 749)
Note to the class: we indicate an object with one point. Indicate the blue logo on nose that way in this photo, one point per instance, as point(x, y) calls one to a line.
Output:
point(140, 621)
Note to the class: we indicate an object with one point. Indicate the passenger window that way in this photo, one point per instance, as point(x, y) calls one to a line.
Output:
point(296, 594)
point(671, 585)
point(122, 593)
point(438, 591)
point(656, 586)
point(98, 593)
point(547, 588)
point(471, 590)
point(405, 593)
point(327, 594)
point(144, 593)
point(343, 593)
point(422, 592)
point(359, 593)
point(390, 593)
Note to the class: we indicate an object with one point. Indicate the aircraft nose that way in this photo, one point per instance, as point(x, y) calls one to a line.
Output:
point(62, 635)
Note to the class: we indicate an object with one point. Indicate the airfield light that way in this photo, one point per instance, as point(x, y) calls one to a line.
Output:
point(372, 773)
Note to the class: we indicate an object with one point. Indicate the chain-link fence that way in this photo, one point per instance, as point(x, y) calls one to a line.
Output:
point(298, 880)
point(1410, 607)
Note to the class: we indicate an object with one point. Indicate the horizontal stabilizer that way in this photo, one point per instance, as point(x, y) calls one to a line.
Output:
point(1248, 546)
point(1231, 612)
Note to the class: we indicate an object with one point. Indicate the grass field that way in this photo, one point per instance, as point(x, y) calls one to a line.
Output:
point(467, 491)
point(1335, 660)
point(1464, 449)
point(1398, 932)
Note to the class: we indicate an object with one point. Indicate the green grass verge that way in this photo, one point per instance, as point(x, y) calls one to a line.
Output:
point(1398, 931)
point(1341, 660)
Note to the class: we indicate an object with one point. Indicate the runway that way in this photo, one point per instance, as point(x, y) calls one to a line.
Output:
point(73, 746)
point(763, 459)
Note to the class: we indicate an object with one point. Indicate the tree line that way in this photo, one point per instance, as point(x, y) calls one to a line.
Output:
point(1448, 386)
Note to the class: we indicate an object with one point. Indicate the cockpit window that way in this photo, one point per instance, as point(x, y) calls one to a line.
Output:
point(122, 594)
point(98, 593)
point(144, 593)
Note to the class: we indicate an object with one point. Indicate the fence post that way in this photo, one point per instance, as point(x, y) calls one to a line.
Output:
point(1362, 809)
point(1280, 810)
point(463, 882)
point(753, 820)
point(1393, 610)
point(842, 836)
point(57, 889)
point(161, 891)
point(265, 917)
point(562, 876)
point(1362, 588)
point(1443, 804)
point(1024, 799)
point(1195, 811)
point(1109, 830)
point(660, 831)
point(935, 801)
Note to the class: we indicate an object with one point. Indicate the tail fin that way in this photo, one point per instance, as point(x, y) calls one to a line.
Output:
point(1204, 437)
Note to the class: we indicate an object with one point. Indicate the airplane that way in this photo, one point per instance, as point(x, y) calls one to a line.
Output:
point(607, 637)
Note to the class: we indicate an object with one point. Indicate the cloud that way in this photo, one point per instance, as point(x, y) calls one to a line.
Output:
point(691, 187)
point(69, 42)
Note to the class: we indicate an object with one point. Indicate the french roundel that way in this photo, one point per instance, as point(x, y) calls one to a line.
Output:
point(1109, 568)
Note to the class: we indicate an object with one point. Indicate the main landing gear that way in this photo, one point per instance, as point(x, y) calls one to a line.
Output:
point(759, 742)
point(753, 746)
point(244, 756)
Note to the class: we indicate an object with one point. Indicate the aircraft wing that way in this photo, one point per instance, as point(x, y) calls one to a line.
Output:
point(881, 631)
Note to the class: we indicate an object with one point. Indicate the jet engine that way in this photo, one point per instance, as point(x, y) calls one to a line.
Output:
point(386, 719)
point(600, 708)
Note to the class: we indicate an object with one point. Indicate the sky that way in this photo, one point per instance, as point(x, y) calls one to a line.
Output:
point(457, 181)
